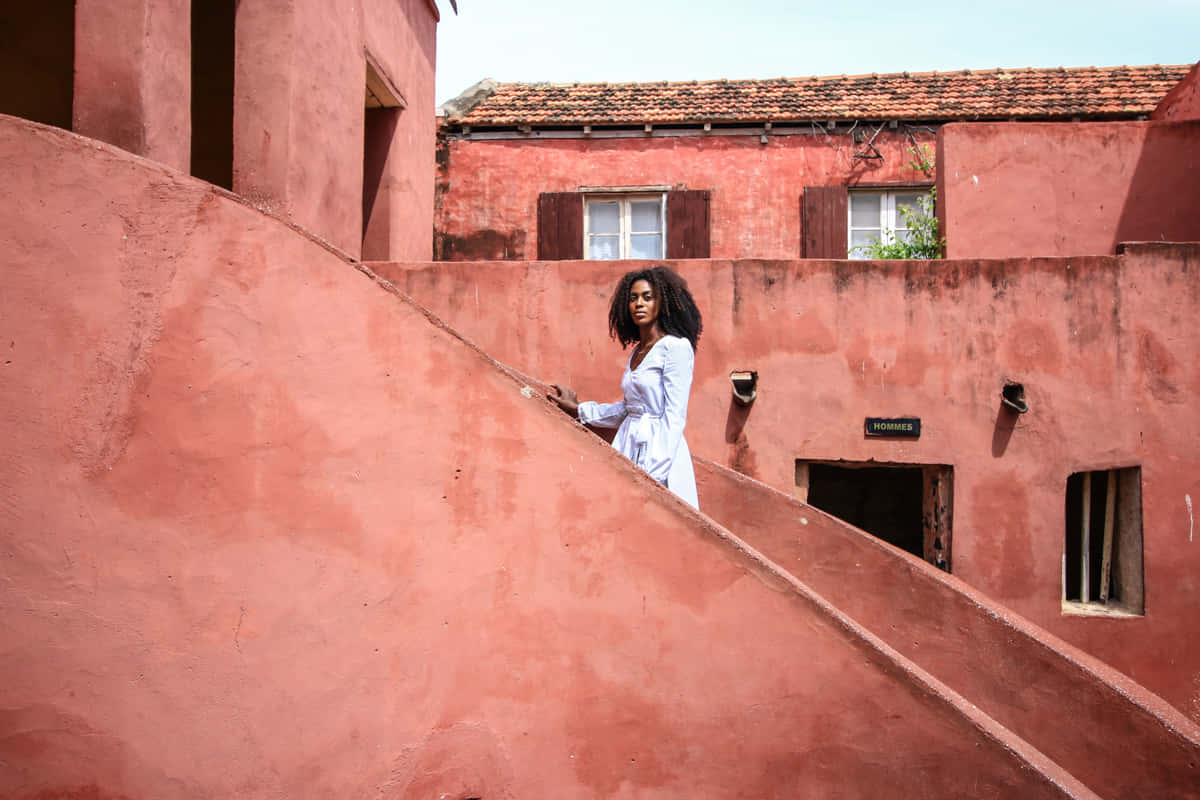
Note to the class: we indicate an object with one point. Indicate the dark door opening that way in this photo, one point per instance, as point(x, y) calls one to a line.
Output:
point(384, 105)
point(213, 53)
point(906, 505)
point(37, 60)
point(379, 129)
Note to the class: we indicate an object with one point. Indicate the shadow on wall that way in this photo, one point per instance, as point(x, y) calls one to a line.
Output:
point(740, 457)
point(1163, 201)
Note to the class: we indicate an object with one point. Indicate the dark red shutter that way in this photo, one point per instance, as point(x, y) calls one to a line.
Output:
point(687, 224)
point(823, 223)
point(560, 226)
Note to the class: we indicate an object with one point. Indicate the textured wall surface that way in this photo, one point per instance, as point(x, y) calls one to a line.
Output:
point(1010, 190)
point(132, 76)
point(1072, 708)
point(402, 35)
point(1103, 345)
point(292, 111)
point(298, 120)
point(267, 531)
point(1183, 102)
point(488, 190)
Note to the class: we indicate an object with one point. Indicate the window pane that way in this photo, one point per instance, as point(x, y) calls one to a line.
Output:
point(864, 210)
point(646, 216)
point(604, 247)
point(858, 239)
point(646, 245)
point(910, 201)
point(604, 217)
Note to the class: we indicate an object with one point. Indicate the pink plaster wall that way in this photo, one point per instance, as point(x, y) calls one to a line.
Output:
point(1182, 103)
point(1055, 189)
point(132, 76)
point(298, 119)
point(1023, 677)
point(403, 37)
point(1103, 344)
point(488, 190)
point(267, 531)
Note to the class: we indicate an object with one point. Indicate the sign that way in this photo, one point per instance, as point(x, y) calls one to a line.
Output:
point(908, 427)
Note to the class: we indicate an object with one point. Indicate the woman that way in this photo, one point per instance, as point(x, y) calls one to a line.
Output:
point(654, 309)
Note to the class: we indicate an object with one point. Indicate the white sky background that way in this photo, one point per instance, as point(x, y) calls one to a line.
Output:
point(648, 40)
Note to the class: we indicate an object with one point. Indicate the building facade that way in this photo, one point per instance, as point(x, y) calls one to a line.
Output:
point(230, 92)
point(778, 169)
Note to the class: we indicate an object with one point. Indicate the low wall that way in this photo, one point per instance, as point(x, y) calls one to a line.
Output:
point(1009, 190)
point(1028, 681)
point(270, 532)
point(1103, 345)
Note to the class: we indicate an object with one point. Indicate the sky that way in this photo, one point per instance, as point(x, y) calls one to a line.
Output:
point(650, 40)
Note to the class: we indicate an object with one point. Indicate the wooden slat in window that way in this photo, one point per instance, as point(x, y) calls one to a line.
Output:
point(823, 222)
point(688, 230)
point(560, 226)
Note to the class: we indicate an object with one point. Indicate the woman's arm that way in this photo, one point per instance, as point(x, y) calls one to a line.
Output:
point(602, 415)
point(677, 387)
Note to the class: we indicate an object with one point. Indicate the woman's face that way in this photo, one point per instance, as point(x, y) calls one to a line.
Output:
point(643, 305)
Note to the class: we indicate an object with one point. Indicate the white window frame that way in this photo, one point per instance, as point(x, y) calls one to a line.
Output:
point(889, 217)
point(625, 224)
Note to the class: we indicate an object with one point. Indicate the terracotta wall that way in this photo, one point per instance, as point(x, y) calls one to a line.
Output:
point(402, 35)
point(488, 190)
point(299, 120)
point(281, 116)
point(1104, 346)
point(1183, 102)
point(132, 76)
point(269, 532)
point(1054, 189)
point(1026, 679)
point(278, 158)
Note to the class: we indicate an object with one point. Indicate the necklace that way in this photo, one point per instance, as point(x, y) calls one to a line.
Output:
point(644, 347)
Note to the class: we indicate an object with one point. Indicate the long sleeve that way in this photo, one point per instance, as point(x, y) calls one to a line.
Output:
point(603, 415)
point(677, 386)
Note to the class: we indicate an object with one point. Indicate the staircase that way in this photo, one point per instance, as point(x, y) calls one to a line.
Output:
point(1090, 729)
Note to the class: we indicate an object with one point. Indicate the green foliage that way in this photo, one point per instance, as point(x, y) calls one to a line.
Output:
point(921, 240)
point(922, 160)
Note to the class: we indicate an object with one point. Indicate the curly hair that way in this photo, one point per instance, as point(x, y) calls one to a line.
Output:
point(677, 311)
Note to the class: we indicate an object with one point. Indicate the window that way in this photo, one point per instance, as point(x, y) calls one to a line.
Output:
point(910, 506)
point(641, 213)
point(624, 226)
point(1102, 556)
point(876, 215)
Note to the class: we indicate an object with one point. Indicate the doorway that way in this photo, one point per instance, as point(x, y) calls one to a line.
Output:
point(384, 105)
point(213, 55)
point(37, 60)
point(909, 506)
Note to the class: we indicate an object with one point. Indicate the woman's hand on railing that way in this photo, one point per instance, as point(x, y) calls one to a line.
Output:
point(565, 399)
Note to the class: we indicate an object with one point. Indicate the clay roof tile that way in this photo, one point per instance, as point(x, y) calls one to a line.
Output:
point(999, 93)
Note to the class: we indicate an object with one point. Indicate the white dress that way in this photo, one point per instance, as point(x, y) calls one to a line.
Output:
point(652, 415)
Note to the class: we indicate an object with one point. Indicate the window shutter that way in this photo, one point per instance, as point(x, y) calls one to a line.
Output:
point(687, 224)
point(560, 226)
point(823, 222)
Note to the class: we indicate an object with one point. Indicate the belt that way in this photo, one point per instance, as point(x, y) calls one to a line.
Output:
point(638, 410)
